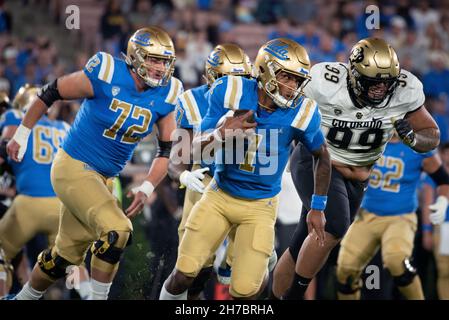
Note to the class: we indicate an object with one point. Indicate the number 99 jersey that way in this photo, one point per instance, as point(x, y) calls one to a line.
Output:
point(109, 125)
point(358, 136)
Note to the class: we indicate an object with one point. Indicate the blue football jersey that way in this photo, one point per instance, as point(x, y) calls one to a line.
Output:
point(33, 172)
point(191, 109)
point(109, 125)
point(256, 173)
point(11, 117)
point(426, 179)
point(393, 184)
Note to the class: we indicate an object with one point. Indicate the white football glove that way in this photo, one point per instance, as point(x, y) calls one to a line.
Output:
point(438, 210)
point(21, 137)
point(192, 179)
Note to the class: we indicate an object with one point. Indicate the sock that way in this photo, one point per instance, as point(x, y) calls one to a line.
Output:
point(85, 290)
point(100, 290)
point(165, 295)
point(413, 291)
point(28, 293)
point(297, 289)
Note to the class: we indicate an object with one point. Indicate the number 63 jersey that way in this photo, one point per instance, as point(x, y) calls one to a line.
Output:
point(358, 136)
point(109, 125)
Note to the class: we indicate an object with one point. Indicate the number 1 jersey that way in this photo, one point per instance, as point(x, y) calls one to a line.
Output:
point(109, 125)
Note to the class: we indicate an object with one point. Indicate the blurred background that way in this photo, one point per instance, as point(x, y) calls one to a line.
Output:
point(36, 47)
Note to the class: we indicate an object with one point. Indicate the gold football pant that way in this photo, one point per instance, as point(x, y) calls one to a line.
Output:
point(442, 267)
point(89, 209)
point(369, 232)
point(210, 222)
point(191, 198)
point(26, 217)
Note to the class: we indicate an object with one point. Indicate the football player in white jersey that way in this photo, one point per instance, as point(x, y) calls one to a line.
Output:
point(361, 103)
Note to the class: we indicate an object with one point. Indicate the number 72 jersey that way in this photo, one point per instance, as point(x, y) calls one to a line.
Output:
point(109, 125)
point(358, 136)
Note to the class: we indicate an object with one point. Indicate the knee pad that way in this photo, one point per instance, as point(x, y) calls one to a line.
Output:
point(200, 281)
point(348, 280)
point(109, 248)
point(242, 288)
point(407, 276)
point(52, 264)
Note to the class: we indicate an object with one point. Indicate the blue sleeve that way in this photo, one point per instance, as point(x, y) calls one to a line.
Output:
point(181, 119)
point(11, 118)
point(313, 137)
point(215, 99)
point(98, 69)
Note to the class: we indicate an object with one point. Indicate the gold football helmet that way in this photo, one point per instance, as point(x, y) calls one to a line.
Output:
point(372, 62)
point(24, 97)
point(151, 42)
point(282, 55)
point(227, 59)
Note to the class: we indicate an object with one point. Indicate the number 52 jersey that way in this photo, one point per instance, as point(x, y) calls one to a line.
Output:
point(109, 125)
point(358, 136)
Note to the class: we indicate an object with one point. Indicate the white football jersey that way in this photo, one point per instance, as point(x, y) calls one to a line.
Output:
point(358, 136)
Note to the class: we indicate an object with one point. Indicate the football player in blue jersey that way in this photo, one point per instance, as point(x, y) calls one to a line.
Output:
point(225, 59)
point(436, 237)
point(244, 191)
point(35, 209)
point(122, 102)
point(387, 219)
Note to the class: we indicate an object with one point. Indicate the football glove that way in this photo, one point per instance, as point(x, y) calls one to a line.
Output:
point(405, 132)
point(192, 179)
point(438, 210)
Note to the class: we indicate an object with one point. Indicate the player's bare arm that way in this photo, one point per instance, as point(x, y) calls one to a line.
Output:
point(159, 167)
point(419, 130)
point(316, 219)
point(73, 86)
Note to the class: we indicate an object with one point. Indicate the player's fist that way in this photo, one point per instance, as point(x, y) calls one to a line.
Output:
point(17, 146)
point(405, 132)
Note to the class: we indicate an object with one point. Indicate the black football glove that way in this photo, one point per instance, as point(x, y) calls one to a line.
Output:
point(405, 132)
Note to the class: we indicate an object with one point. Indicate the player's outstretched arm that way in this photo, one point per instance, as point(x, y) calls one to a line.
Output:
point(158, 169)
point(419, 130)
point(73, 86)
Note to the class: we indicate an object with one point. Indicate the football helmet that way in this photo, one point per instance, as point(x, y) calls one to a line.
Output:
point(24, 97)
point(151, 42)
point(282, 55)
point(4, 102)
point(227, 59)
point(372, 61)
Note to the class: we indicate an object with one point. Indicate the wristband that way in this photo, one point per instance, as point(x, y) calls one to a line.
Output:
point(426, 227)
point(318, 202)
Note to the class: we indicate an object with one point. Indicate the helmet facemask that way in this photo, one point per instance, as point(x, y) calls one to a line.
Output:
point(272, 86)
point(361, 85)
point(138, 60)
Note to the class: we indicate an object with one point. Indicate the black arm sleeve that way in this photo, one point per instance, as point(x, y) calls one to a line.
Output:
point(163, 149)
point(49, 93)
point(440, 176)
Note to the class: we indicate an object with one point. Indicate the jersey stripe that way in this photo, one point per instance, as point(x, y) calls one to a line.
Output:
point(107, 67)
point(304, 115)
point(175, 91)
point(233, 93)
point(190, 106)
